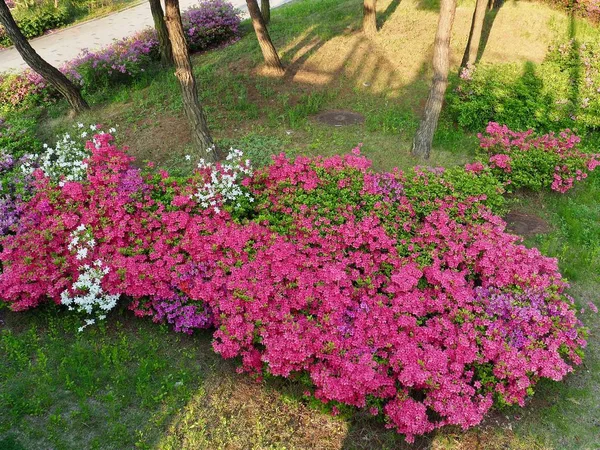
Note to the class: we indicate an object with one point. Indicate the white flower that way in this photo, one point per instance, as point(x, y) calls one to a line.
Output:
point(80, 125)
point(93, 127)
point(188, 157)
point(81, 253)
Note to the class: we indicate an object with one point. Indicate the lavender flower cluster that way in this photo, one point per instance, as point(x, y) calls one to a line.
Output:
point(15, 189)
point(211, 23)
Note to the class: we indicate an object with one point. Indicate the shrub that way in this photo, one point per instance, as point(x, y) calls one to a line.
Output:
point(389, 291)
point(17, 135)
point(562, 92)
point(510, 95)
point(23, 154)
point(581, 62)
point(36, 20)
point(23, 90)
point(119, 62)
point(526, 160)
point(211, 23)
point(589, 9)
point(17, 139)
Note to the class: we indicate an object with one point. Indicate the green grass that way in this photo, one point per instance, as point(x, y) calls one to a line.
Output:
point(134, 384)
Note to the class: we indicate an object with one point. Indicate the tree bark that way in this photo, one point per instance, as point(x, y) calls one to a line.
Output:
point(183, 71)
point(474, 42)
point(265, 10)
point(441, 66)
point(370, 17)
point(269, 52)
point(164, 45)
point(50, 73)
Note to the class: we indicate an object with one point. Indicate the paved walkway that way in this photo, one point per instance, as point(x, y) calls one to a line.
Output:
point(64, 45)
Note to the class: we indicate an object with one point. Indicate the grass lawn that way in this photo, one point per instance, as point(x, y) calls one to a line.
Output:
point(133, 384)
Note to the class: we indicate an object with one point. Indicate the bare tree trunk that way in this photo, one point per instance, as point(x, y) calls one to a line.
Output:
point(50, 73)
point(265, 10)
point(441, 66)
point(164, 45)
point(370, 17)
point(183, 70)
point(272, 60)
point(474, 42)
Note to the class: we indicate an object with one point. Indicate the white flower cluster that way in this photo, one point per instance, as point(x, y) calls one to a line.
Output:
point(90, 298)
point(65, 161)
point(224, 186)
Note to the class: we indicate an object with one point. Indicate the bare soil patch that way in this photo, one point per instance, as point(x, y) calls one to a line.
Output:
point(526, 224)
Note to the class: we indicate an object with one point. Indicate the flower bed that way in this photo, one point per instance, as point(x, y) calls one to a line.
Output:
point(397, 292)
point(526, 160)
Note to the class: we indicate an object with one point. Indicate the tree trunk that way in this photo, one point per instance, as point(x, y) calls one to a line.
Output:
point(183, 71)
point(164, 45)
point(474, 42)
point(265, 10)
point(370, 17)
point(441, 66)
point(50, 73)
point(272, 60)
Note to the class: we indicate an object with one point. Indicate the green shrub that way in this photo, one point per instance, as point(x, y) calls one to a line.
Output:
point(562, 92)
point(520, 97)
point(36, 19)
point(17, 136)
point(36, 22)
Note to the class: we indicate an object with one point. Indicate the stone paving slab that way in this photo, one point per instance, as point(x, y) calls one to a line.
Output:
point(64, 45)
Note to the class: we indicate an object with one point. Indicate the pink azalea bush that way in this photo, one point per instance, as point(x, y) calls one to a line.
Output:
point(25, 88)
point(397, 292)
point(527, 160)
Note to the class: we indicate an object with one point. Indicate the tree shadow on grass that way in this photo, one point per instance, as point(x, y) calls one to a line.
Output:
point(383, 16)
point(488, 23)
point(576, 66)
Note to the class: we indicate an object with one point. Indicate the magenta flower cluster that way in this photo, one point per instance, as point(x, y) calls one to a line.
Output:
point(417, 307)
point(527, 160)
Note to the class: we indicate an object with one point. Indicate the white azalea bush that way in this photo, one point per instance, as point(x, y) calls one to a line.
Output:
point(86, 295)
point(65, 161)
point(222, 182)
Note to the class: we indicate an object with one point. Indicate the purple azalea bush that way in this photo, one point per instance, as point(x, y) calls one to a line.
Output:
point(15, 189)
point(211, 23)
point(123, 60)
